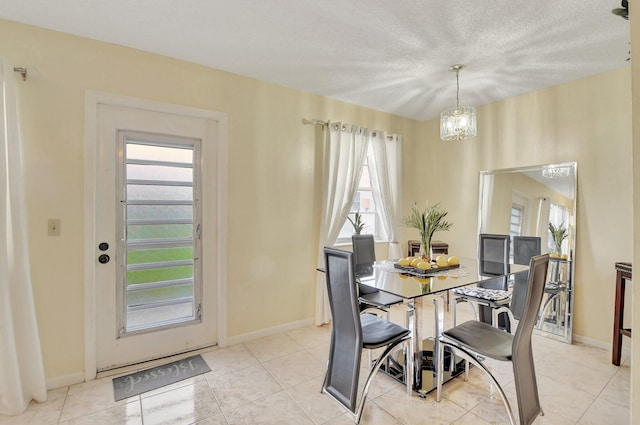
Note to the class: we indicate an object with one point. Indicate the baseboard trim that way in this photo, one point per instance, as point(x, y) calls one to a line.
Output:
point(65, 380)
point(626, 351)
point(249, 336)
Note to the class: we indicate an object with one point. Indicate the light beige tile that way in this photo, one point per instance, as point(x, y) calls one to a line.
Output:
point(617, 390)
point(294, 368)
point(278, 408)
point(273, 346)
point(184, 405)
point(605, 412)
point(214, 420)
point(471, 419)
point(311, 336)
point(91, 397)
point(320, 407)
point(560, 396)
point(372, 415)
point(229, 359)
point(46, 413)
point(243, 386)
point(124, 414)
point(466, 394)
point(416, 411)
point(493, 410)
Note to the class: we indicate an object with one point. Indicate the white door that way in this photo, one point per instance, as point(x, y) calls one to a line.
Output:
point(155, 220)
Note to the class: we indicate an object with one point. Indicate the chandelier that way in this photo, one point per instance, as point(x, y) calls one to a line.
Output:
point(458, 123)
point(555, 172)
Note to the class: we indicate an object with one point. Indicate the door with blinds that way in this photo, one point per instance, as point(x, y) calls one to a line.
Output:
point(155, 294)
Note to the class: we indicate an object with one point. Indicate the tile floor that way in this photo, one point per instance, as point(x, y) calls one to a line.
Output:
point(277, 379)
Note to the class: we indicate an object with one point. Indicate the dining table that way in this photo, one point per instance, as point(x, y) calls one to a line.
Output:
point(414, 286)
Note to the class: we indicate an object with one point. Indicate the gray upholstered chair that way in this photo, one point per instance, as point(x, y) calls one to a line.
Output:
point(474, 339)
point(492, 293)
point(370, 298)
point(351, 332)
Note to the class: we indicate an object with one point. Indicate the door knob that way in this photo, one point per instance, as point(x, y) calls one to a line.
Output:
point(103, 259)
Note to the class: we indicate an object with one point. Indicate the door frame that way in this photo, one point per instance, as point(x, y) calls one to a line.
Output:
point(92, 100)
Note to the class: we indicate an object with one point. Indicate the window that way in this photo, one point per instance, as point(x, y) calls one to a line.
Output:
point(365, 204)
point(159, 215)
point(558, 215)
point(517, 213)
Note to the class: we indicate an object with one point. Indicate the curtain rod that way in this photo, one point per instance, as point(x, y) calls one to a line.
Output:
point(314, 122)
point(22, 71)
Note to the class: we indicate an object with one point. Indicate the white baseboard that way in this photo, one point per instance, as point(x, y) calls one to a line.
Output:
point(65, 380)
point(250, 336)
point(626, 349)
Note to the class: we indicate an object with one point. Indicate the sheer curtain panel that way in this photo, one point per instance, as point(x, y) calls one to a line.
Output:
point(387, 185)
point(21, 369)
point(345, 148)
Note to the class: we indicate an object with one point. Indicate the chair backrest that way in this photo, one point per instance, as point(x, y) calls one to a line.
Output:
point(364, 253)
point(524, 248)
point(523, 366)
point(493, 253)
point(343, 368)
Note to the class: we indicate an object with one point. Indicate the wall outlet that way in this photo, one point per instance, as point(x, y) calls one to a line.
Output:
point(53, 227)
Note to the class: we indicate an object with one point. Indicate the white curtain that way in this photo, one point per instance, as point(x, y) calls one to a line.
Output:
point(386, 179)
point(345, 148)
point(21, 369)
point(544, 205)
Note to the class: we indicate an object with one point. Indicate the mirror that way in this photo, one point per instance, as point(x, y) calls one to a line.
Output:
point(534, 201)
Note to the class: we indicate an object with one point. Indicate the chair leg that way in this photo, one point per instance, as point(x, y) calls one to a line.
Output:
point(470, 357)
point(372, 373)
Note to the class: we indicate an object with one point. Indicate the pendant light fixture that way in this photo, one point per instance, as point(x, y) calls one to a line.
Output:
point(458, 123)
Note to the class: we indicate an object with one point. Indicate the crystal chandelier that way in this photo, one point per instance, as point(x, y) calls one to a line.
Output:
point(555, 172)
point(458, 123)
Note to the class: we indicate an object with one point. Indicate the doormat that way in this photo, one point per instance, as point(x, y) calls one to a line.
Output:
point(159, 376)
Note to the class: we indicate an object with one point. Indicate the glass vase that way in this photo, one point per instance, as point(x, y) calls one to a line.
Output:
point(425, 247)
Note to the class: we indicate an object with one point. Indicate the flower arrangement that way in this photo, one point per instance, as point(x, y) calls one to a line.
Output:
point(559, 234)
point(428, 221)
point(356, 222)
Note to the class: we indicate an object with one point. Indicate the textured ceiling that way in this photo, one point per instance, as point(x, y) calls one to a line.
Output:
point(383, 54)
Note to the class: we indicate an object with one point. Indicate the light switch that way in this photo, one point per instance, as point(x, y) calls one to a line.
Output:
point(54, 227)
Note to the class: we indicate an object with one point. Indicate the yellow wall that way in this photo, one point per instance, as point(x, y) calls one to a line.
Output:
point(588, 121)
point(273, 185)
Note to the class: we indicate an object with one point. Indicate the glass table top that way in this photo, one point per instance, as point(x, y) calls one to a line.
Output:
point(383, 276)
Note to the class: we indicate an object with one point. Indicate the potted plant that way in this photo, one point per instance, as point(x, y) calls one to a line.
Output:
point(356, 222)
point(559, 234)
point(428, 221)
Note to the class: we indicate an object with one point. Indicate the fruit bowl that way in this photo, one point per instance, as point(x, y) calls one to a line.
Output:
point(420, 272)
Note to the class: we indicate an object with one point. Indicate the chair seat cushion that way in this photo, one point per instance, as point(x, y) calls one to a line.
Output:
point(380, 299)
point(377, 332)
point(483, 293)
point(483, 339)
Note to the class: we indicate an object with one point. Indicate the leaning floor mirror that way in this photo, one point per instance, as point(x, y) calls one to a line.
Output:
point(538, 203)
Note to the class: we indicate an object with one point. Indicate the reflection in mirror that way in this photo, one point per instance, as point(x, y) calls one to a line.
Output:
point(538, 202)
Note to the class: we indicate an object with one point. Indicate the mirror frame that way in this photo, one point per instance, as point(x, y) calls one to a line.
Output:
point(485, 183)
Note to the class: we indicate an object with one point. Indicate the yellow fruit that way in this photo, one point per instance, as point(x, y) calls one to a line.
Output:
point(415, 262)
point(403, 276)
point(423, 265)
point(441, 261)
point(404, 262)
point(453, 261)
point(564, 256)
